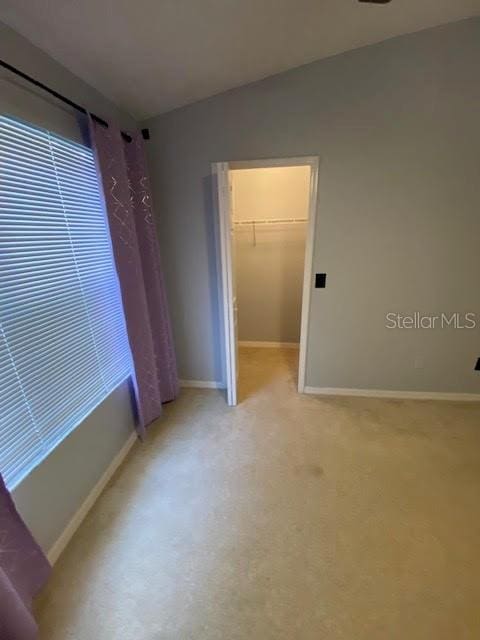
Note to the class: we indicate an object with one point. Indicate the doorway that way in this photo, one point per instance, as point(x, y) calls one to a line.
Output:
point(267, 212)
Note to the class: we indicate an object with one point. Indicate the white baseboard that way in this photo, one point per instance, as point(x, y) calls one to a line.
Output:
point(268, 345)
point(399, 395)
point(202, 384)
point(89, 501)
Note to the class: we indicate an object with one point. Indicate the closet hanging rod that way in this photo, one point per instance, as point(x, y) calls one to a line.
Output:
point(271, 221)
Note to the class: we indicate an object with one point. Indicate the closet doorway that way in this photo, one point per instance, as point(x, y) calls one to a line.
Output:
point(267, 211)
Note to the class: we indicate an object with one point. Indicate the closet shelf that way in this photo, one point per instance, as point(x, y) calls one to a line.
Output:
point(240, 223)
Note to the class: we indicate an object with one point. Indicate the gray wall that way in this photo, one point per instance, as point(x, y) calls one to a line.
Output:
point(22, 54)
point(49, 496)
point(397, 129)
point(52, 493)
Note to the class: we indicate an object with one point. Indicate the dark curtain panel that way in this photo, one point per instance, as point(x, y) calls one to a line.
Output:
point(23, 571)
point(126, 189)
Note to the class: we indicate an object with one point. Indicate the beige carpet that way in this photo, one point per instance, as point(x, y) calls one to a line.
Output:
point(287, 518)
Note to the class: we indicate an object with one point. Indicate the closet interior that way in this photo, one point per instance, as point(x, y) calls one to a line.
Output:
point(270, 209)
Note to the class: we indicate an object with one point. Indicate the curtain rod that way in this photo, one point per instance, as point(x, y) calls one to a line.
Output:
point(59, 96)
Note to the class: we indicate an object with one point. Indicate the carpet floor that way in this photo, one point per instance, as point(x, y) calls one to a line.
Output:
point(288, 517)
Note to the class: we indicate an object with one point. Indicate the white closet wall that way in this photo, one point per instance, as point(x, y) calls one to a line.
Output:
point(269, 258)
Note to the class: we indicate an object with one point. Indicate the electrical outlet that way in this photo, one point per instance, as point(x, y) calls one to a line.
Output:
point(419, 362)
point(320, 280)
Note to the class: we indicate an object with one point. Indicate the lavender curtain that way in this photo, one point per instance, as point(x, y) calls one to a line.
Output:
point(23, 571)
point(122, 167)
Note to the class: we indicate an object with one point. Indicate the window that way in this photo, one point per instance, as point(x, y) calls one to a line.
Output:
point(63, 343)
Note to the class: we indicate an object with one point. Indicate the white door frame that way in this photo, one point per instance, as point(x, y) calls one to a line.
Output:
point(220, 170)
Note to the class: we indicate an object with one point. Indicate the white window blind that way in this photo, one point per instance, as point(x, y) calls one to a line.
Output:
point(63, 343)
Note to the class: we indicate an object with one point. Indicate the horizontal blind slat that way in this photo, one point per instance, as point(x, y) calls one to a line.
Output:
point(60, 299)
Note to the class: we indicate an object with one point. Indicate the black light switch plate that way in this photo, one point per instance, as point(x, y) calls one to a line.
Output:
point(477, 366)
point(320, 280)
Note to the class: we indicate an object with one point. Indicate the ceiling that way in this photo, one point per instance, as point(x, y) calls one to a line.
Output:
point(151, 56)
